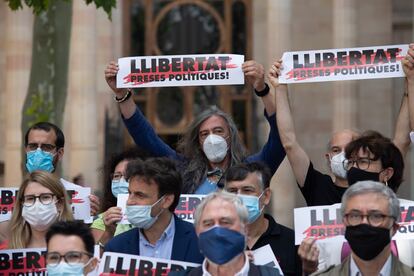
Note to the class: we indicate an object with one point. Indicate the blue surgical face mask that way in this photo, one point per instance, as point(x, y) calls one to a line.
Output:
point(119, 187)
point(220, 244)
point(39, 160)
point(140, 215)
point(253, 206)
point(63, 268)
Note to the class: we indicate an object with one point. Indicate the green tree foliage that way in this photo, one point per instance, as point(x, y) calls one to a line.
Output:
point(39, 6)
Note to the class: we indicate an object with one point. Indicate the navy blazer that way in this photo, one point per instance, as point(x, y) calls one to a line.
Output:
point(184, 248)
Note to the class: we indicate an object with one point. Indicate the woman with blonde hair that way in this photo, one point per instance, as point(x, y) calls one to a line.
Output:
point(41, 201)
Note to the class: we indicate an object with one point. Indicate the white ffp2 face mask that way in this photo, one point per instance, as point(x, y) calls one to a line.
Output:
point(40, 216)
point(215, 148)
point(337, 165)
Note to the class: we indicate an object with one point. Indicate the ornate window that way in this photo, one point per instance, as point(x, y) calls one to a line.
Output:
point(174, 27)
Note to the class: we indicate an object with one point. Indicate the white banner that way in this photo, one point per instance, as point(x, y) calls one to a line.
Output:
point(343, 64)
point(79, 200)
point(264, 256)
point(114, 264)
point(8, 196)
point(323, 222)
point(183, 70)
point(184, 210)
point(28, 262)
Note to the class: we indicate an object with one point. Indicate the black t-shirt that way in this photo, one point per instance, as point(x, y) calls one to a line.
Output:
point(319, 189)
point(282, 241)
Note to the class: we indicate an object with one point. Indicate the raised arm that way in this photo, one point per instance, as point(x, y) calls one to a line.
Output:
point(255, 75)
point(272, 152)
point(298, 158)
point(127, 107)
point(408, 66)
point(138, 127)
point(402, 126)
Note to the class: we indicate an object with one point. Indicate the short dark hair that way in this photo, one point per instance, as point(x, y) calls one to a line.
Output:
point(240, 171)
point(383, 149)
point(46, 126)
point(160, 170)
point(72, 228)
point(109, 167)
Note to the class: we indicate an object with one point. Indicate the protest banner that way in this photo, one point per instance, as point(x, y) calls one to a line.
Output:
point(79, 200)
point(28, 262)
point(323, 222)
point(114, 264)
point(343, 64)
point(264, 256)
point(183, 70)
point(8, 196)
point(187, 205)
point(184, 210)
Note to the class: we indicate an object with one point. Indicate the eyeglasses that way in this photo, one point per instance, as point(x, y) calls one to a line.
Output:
point(361, 163)
point(117, 176)
point(71, 257)
point(43, 147)
point(45, 199)
point(374, 219)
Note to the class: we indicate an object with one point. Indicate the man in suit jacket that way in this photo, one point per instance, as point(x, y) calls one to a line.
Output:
point(370, 213)
point(220, 221)
point(154, 192)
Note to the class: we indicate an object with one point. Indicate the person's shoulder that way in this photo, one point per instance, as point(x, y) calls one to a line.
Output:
point(183, 225)
point(263, 270)
point(193, 271)
point(123, 237)
point(402, 269)
point(333, 270)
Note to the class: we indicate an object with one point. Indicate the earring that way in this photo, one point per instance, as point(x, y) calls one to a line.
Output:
point(386, 183)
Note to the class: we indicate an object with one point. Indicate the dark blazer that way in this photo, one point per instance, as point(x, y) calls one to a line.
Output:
point(255, 270)
point(185, 243)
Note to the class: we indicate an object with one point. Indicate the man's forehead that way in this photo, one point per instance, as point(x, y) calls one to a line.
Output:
point(40, 135)
point(251, 180)
point(367, 202)
point(227, 209)
point(213, 122)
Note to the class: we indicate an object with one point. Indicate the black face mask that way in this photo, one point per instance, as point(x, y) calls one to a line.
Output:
point(367, 241)
point(354, 175)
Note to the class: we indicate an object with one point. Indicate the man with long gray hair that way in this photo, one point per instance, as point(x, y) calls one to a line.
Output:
point(370, 212)
point(211, 144)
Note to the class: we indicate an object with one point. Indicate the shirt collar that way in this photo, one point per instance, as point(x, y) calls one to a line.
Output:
point(244, 271)
point(167, 234)
point(385, 270)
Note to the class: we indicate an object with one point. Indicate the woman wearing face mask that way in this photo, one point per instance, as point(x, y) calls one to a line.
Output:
point(105, 226)
point(41, 201)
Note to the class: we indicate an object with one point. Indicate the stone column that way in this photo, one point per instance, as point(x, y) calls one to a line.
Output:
point(81, 118)
point(17, 37)
point(271, 38)
point(345, 36)
point(109, 36)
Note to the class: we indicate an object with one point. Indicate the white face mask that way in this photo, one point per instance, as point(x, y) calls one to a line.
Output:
point(40, 216)
point(140, 215)
point(215, 148)
point(337, 165)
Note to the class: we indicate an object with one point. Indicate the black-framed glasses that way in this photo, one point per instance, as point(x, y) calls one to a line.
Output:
point(43, 147)
point(374, 219)
point(45, 199)
point(361, 163)
point(71, 257)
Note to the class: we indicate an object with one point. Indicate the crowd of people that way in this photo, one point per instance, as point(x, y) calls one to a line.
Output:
point(231, 221)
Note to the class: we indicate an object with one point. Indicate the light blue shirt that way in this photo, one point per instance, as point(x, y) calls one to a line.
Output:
point(206, 187)
point(163, 247)
point(385, 271)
